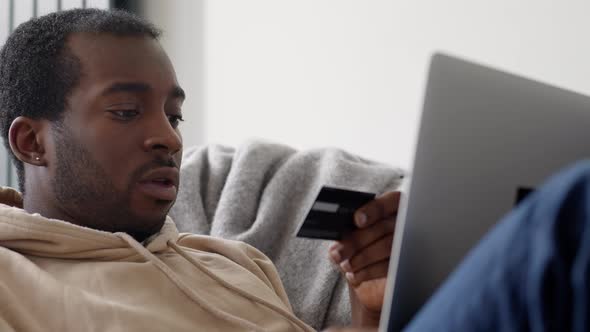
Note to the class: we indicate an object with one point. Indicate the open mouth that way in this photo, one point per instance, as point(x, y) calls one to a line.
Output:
point(160, 184)
point(163, 182)
point(159, 189)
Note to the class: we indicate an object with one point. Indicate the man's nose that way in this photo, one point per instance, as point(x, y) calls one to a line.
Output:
point(162, 137)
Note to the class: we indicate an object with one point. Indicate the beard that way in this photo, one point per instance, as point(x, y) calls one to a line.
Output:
point(87, 195)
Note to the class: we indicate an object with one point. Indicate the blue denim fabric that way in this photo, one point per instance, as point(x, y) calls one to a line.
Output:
point(530, 273)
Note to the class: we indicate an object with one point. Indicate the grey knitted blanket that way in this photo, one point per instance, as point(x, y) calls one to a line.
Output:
point(259, 194)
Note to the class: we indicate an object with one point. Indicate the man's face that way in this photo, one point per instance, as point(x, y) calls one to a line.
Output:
point(118, 149)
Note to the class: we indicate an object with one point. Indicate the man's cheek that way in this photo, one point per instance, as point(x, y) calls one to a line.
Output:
point(120, 175)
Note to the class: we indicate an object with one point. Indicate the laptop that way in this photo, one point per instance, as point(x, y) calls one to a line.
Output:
point(486, 139)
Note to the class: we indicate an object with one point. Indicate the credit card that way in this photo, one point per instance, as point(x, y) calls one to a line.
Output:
point(332, 214)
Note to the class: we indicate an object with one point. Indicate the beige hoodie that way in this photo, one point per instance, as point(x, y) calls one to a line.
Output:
point(56, 276)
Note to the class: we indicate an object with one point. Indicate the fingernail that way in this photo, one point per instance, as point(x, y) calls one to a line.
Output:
point(346, 266)
point(349, 276)
point(361, 219)
point(336, 255)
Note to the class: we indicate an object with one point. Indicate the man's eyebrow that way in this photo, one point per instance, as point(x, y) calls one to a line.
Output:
point(176, 92)
point(126, 87)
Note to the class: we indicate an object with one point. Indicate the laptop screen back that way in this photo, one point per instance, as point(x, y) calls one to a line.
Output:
point(486, 139)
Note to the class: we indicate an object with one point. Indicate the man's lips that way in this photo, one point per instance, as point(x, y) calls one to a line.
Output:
point(160, 183)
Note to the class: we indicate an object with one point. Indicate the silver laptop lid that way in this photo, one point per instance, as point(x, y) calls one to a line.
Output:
point(485, 138)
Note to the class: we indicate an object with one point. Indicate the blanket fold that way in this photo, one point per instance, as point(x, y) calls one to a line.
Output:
point(260, 193)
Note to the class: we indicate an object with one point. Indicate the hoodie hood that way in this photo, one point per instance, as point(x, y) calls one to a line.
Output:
point(11, 197)
point(33, 234)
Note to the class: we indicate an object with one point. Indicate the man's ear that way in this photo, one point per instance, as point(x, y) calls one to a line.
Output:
point(27, 141)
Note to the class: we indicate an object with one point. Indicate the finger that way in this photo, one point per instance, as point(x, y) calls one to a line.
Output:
point(375, 271)
point(375, 252)
point(381, 207)
point(359, 239)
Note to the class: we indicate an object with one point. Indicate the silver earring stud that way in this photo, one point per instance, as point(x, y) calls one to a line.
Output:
point(37, 158)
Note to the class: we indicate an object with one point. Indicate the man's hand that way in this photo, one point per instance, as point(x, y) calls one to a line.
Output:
point(363, 257)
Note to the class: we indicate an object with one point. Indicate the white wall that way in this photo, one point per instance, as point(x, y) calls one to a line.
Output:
point(350, 73)
point(183, 25)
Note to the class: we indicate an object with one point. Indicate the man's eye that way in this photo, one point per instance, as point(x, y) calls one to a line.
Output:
point(175, 120)
point(125, 114)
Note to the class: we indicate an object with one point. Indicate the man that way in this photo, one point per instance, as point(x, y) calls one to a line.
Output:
point(90, 108)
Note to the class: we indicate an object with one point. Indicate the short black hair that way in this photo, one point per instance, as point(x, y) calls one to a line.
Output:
point(38, 71)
